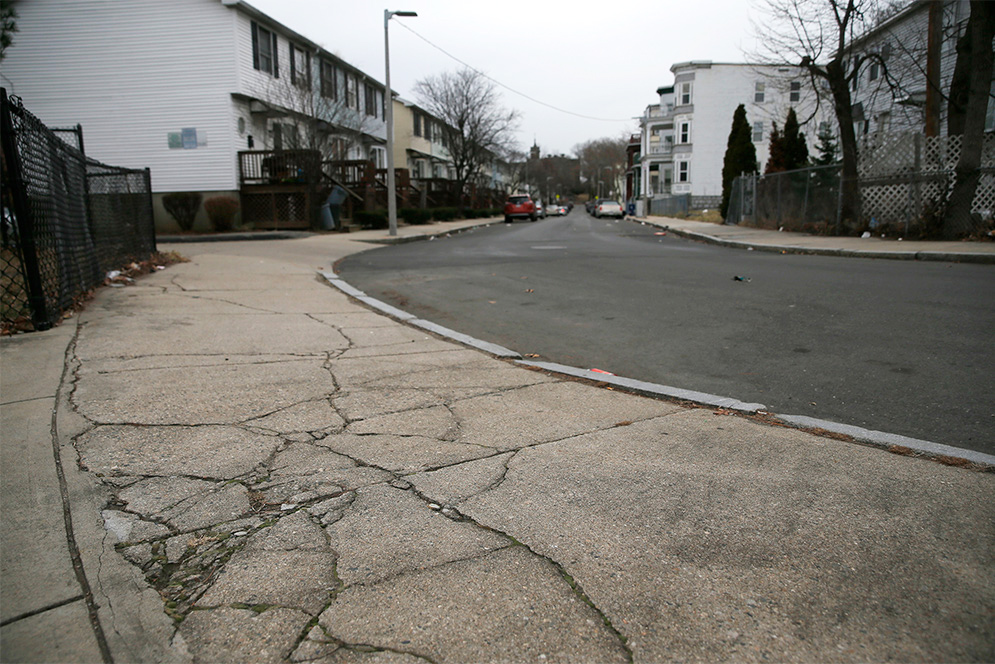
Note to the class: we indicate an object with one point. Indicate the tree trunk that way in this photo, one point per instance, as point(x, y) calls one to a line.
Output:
point(849, 183)
point(980, 32)
point(960, 85)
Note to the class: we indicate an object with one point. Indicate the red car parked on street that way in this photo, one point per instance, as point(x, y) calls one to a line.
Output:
point(519, 206)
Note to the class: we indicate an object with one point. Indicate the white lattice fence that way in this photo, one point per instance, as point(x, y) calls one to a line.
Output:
point(907, 177)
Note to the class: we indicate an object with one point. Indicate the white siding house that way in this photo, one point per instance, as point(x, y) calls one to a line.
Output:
point(684, 136)
point(418, 143)
point(896, 102)
point(182, 86)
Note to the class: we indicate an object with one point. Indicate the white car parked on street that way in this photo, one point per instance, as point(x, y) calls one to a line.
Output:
point(609, 209)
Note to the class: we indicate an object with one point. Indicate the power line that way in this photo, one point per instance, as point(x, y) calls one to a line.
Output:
point(506, 87)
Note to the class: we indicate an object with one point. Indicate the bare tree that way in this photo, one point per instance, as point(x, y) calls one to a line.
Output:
point(517, 170)
point(603, 159)
point(317, 115)
point(815, 35)
point(475, 127)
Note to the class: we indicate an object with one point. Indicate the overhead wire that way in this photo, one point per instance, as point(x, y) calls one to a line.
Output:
point(507, 87)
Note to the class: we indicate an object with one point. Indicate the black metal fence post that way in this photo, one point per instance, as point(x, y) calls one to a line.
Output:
point(67, 220)
point(151, 207)
point(24, 217)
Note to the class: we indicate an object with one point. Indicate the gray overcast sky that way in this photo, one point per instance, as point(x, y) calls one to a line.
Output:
point(603, 58)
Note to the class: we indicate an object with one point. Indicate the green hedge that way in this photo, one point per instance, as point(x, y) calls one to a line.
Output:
point(416, 216)
point(444, 213)
point(372, 220)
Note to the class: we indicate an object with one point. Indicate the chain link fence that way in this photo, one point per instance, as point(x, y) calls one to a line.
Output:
point(67, 220)
point(906, 183)
point(671, 206)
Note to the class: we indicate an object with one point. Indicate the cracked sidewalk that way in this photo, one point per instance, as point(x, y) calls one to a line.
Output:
point(259, 469)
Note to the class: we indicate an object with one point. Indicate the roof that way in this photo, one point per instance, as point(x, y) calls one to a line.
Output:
point(886, 26)
point(248, 9)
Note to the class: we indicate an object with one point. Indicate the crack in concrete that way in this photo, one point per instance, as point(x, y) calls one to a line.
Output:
point(567, 578)
point(239, 304)
point(456, 515)
point(285, 358)
point(74, 552)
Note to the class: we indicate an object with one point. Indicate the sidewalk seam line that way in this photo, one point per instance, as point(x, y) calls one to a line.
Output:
point(39, 611)
point(74, 552)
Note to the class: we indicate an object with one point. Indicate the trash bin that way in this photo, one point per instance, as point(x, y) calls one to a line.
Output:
point(331, 208)
point(327, 220)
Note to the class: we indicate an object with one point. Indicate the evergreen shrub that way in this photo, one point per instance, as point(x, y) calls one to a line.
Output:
point(183, 206)
point(371, 220)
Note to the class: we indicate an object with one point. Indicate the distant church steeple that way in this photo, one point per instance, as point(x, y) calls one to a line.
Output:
point(534, 152)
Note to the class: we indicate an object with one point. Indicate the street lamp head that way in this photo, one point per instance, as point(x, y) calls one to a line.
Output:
point(400, 13)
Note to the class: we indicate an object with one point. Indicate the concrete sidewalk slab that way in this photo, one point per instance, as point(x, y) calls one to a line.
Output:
point(744, 237)
point(370, 492)
point(33, 530)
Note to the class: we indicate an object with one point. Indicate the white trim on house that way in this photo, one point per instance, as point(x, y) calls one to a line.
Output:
point(694, 116)
point(169, 86)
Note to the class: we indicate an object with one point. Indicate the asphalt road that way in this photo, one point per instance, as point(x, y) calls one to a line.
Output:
point(897, 346)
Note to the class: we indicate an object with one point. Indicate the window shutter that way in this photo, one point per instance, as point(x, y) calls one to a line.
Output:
point(276, 60)
point(307, 71)
point(255, 45)
point(293, 72)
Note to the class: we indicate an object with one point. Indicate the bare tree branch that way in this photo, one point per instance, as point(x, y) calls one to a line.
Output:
point(476, 128)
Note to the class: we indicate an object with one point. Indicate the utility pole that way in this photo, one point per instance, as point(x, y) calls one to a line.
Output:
point(933, 43)
point(389, 98)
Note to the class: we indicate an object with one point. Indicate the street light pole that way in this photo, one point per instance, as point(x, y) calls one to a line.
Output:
point(391, 187)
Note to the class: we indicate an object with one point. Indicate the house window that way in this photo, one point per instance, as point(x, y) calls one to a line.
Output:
point(684, 132)
point(370, 100)
point(417, 122)
point(339, 148)
point(300, 65)
point(796, 91)
point(759, 92)
point(872, 75)
point(683, 171)
point(285, 136)
point(758, 132)
point(264, 50)
point(328, 87)
point(685, 94)
point(351, 92)
point(379, 157)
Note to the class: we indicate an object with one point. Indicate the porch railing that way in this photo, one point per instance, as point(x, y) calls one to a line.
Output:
point(278, 166)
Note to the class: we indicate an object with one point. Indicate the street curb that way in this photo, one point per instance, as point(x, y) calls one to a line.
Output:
point(383, 307)
point(891, 441)
point(887, 441)
point(232, 237)
point(647, 389)
point(404, 239)
point(486, 346)
point(938, 256)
